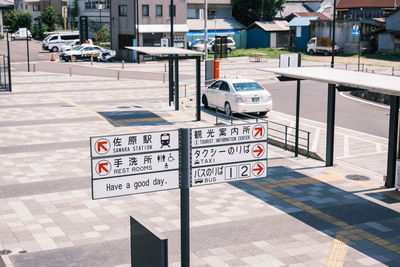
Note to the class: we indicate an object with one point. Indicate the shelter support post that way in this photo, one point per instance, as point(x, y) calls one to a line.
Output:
point(330, 128)
point(176, 84)
point(392, 146)
point(171, 79)
point(198, 93)
point(296, 145)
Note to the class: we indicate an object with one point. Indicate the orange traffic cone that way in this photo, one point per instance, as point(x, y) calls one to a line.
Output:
point(52, 57)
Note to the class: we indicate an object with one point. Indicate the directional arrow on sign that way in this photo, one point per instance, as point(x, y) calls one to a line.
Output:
point(103, 167)
point(102, 146)
point(258, 131)
point(258, 169)
point(258, 150)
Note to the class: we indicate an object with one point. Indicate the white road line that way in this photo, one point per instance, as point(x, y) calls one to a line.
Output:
point(315, 139)
point(356, 168)
point(364, 101)
point(346, 146)
point(360, 155)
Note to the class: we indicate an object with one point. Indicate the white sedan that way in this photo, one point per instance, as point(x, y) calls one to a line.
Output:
point(237, 95)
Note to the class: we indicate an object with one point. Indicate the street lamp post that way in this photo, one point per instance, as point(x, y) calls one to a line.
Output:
point(100, 7)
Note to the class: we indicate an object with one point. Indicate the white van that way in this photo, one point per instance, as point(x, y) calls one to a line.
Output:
point(55, 41)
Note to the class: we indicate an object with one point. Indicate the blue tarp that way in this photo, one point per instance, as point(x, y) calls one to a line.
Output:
point(301, 21)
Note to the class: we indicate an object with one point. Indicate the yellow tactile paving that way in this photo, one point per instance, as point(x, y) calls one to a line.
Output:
point(338, 251)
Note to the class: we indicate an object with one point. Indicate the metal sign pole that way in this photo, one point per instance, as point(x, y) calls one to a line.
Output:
point(198, 90)
point(9, 64)
point(359, 50)
point(27, 49)
point(171, 79)
point(296, 146)
point(185, 173)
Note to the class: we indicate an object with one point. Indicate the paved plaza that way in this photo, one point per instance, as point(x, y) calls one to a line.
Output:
point(302, 214)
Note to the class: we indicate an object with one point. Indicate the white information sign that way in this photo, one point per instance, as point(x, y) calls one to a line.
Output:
point(22, 32)
point(221, 135)
point(133, 143)
point(205, 156)
point(229, 172)
point(134, 184)
point(135, 164)
point(228, 153)
point(289, 60)
point(164, 42)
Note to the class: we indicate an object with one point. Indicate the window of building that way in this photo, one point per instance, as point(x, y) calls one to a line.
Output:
point(298, 31)
point(123, 10)
point(145, 10)
point(159, 10)
point(93, 4)
point(174, 8)
point(193, 13)
point(125, 40)
point(36, 7)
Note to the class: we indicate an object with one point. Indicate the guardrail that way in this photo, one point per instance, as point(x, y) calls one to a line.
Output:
point(281, 134)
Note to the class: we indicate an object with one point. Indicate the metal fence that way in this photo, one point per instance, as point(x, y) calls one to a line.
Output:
point(4, 73)
point(278, 133)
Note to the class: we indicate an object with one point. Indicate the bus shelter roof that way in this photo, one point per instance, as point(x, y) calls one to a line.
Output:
point(379, 83)
point(153, 51)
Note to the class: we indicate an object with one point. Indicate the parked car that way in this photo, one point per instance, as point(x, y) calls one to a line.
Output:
point(211, 44)
point(16, 36)
point(321, 45)
point(237, 95)
point(55, 41)
point(87, 51)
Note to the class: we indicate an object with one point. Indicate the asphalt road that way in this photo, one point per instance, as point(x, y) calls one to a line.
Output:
point(18, 51)
point(350, 114)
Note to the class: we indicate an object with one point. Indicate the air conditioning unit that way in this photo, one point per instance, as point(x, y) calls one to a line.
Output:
point(397, 178)
point(349, 16)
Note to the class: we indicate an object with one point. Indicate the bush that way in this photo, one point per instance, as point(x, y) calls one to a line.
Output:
point(102, 35)
point(18, 19)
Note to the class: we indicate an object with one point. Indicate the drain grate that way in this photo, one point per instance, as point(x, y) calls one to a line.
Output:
point(5, 252)
point(357, 177)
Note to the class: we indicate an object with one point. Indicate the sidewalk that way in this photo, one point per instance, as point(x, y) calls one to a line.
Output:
point(302, 214)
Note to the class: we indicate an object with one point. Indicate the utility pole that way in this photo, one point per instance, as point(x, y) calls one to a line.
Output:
point(262, 10)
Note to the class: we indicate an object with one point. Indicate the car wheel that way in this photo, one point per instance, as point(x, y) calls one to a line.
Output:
point(311, 52)
point(54, 49)
point(12, 38)
point(73, 58)
point(66, 59)
point(228, 50)
point(228, 110)
point(262, 114)
point(326, 53)
point(205, 101)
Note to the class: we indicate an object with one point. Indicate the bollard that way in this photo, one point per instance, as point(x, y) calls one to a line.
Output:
point(70, 72)
point(117, 75)
point(392, 71)
point(346, 66)
point(363, 67)
point(34, 68)
point(163, 77)
point(185, 89)
point(165, 67)
point(373, 71)
point(123, 64)
point(91, 61)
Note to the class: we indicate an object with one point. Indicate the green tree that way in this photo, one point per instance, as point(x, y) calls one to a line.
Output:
point(73, 13)
point(49, 18)
point(18, 19)
point(102, 35)
point(246, 12)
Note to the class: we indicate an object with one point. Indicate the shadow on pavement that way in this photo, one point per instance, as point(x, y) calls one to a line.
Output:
point(369, 227)
point(133, 118)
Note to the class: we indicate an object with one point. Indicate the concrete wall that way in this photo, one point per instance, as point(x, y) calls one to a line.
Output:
point(386, 42)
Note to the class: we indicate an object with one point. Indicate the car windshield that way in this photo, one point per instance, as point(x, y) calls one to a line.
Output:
point(247, 86)
point(78, 48)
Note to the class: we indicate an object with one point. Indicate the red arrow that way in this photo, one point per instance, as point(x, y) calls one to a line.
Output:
point(259, 150)
point(100, 145)
point(259, 169)
point(259, 131)
point(102, 166)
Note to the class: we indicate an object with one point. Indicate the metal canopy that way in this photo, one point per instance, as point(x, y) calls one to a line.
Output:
point(378, 83)
point(153, 51)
